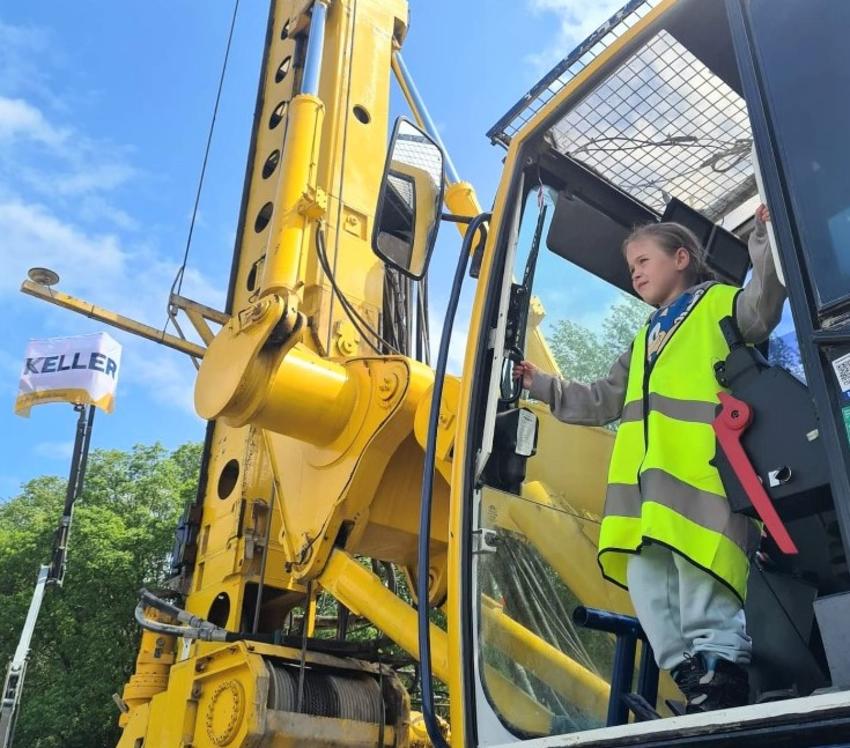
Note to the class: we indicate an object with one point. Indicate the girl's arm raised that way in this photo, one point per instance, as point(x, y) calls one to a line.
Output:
point(584, 404)
point(759, 306)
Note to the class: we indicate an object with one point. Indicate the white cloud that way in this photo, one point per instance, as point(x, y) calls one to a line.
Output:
point(10, 374)
point(460, 331)
point(33, 235)
point(98, 178)
point(55, 450)
point(577, 19)
point(94, 209)
point(18, 119)
point(56, 162)
point(55, 183)
point(166, 375)
point(25, 56)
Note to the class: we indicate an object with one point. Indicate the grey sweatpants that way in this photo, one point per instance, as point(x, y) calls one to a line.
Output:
point(683, 609)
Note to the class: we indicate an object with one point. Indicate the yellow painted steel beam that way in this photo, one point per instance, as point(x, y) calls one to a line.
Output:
point(87, 309)
point(364, 594)
point(191, 306)
point(536, 348)
point(564, 537)
point(198, 315)
point(580, 686)
point(518, 708)
point(153, 663)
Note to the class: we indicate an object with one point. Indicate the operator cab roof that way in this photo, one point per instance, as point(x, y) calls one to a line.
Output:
point(659, 125)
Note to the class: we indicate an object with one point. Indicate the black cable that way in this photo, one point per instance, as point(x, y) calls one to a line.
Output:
point(738, 148)
point(680, 141)
point(393, 324)
point(303, 659)
point(261, 582)
point(426, 494)
point(423, 331)
point(177, 285)
point(352, 313)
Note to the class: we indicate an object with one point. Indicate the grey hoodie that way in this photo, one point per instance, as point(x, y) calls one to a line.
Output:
point(757, 311)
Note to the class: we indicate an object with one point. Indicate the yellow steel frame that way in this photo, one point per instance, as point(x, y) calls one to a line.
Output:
point(491, 276)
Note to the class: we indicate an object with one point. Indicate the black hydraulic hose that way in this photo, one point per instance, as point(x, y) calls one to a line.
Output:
point(424, 561)
point(195, 627)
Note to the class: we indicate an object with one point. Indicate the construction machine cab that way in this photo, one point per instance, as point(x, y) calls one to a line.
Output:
point(659, 115)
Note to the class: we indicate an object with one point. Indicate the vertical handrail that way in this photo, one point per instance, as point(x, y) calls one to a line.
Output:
point(628, 631)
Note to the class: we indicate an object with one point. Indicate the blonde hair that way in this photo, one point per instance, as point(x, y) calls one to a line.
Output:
point(673, 236)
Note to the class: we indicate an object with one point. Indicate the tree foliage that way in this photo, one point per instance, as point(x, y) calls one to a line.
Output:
point(85, 642)
point(587, 355)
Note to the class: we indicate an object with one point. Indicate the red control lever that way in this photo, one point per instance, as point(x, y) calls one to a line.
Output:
point(729, 425)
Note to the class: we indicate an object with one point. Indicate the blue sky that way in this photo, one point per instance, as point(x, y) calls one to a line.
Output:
point(104, 109)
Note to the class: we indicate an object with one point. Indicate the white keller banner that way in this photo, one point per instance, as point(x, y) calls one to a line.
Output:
point(82, 369)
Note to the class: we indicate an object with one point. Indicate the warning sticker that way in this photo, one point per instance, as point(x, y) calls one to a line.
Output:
point(842, 373)
point(525, 430)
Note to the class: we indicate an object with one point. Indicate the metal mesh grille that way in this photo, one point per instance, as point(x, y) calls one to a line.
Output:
point(555, 80)
point(664, 125)
point(418, 151)
point(404, 189)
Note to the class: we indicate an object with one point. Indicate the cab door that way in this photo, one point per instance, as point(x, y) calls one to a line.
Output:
point(795, 69)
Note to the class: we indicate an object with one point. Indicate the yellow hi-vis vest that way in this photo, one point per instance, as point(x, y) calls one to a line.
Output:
point(661, 486)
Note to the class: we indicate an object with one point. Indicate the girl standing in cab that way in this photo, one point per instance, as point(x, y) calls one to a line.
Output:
point(668, 534)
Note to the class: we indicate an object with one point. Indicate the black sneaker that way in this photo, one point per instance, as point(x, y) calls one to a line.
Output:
point(710, 683)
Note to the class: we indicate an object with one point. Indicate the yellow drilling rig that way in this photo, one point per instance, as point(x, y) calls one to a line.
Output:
point(338, 461)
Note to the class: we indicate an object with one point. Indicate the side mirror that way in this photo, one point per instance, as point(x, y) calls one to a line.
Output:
point(410, 201)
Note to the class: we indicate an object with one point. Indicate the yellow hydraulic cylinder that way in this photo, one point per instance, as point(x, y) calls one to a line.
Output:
point(155, 658)
point(298, 200)
point(580, 686)
point(310, 398)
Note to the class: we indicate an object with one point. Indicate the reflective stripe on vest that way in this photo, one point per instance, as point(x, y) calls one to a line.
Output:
point(662, 487)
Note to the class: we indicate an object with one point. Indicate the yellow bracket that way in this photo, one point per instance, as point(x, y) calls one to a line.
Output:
point(199, 315)
point(87, 309)
point(313, 203)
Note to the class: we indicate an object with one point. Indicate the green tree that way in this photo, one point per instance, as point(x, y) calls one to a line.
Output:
point(587, 355)
point(85, 643)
